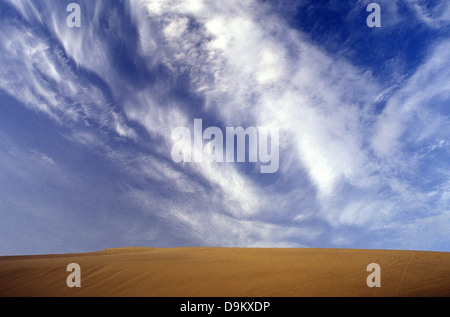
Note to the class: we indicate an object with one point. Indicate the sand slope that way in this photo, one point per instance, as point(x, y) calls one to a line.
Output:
point(231, 272)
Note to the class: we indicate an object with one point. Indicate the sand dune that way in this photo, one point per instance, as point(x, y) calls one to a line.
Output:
point(230, 272)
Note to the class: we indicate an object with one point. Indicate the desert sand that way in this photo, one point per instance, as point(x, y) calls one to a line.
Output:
point(228, 272)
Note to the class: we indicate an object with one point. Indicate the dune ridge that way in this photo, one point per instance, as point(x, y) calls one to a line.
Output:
point(228, 272)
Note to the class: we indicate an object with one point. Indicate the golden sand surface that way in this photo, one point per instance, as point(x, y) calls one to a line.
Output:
point(228, 272)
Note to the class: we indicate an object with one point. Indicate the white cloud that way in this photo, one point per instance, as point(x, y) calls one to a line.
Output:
point(37, 73)
point(436, 15)
point(245, 67)
point(418, 99)
point(252, 79)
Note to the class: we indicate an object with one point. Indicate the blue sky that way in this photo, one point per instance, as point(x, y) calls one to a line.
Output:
point(86, 116)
